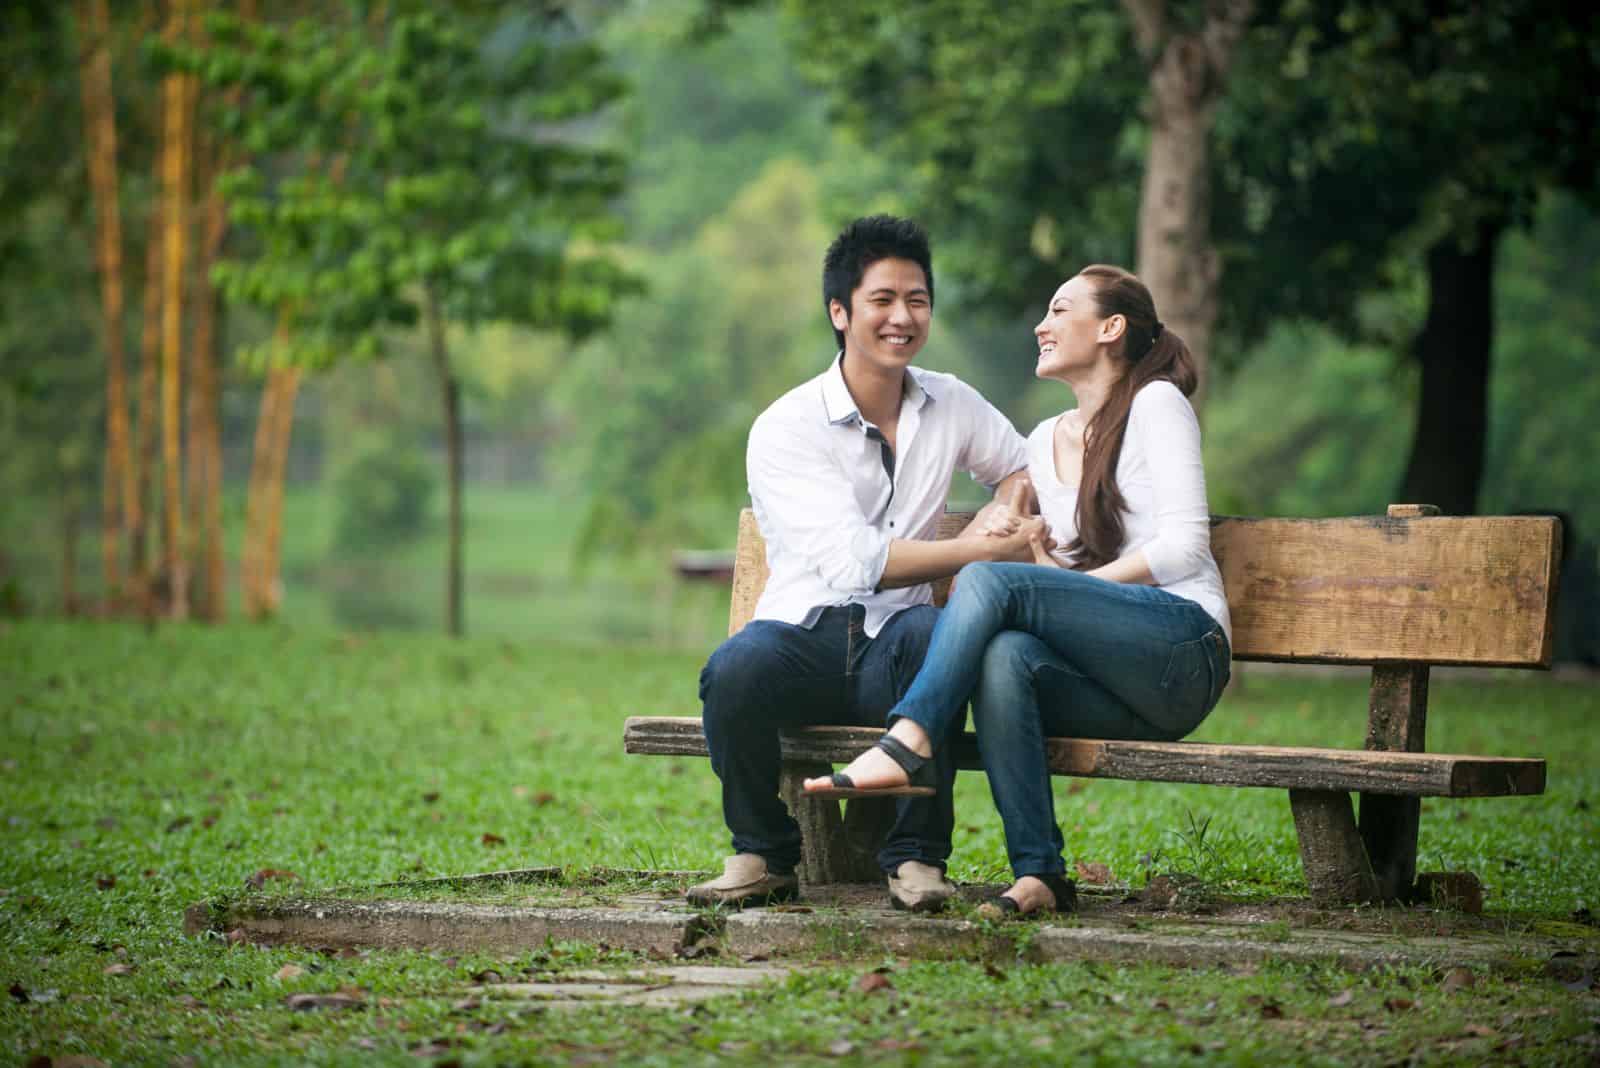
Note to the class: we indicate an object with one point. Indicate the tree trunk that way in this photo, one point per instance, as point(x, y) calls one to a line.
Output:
point(100, 135)
point(1176, 256)
point(69, 548)
point(149, 384)
point(205, 401)
point(264, 503)
point(450, 392)
point(175, 220)
point(1453, 347)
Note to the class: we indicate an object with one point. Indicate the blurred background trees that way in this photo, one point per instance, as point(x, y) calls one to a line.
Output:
point(1380, 222)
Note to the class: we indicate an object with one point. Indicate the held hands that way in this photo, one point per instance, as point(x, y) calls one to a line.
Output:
point(1018, 534)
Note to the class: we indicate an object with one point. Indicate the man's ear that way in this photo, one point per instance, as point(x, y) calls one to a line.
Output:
point(839, 315)
point(1113, 328)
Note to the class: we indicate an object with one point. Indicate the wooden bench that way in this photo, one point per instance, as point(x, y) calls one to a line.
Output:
point(1400, 592)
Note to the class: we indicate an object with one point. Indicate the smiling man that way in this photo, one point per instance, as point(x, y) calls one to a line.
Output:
point(848, 475)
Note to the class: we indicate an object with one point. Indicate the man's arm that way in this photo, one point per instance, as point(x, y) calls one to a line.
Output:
point(912, 562)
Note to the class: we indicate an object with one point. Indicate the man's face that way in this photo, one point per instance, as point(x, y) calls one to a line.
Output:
point(888, 317)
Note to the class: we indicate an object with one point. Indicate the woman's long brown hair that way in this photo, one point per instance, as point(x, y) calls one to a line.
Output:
point(1145, 357)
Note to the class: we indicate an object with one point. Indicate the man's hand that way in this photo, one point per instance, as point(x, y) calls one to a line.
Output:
point(1018, 546)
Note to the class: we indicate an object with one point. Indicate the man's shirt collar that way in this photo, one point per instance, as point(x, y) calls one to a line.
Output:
point(840, 408)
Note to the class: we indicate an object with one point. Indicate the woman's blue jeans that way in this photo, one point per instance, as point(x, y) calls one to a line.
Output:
point(1044, 651)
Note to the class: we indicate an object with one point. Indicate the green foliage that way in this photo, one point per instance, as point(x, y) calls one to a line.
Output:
point(430, 152)
point(383, 487)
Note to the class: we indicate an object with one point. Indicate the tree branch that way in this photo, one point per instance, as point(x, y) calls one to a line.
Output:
point(1149, 26)
point(1225, 23)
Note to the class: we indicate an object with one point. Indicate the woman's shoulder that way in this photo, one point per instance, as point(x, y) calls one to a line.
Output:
point(1045, 429)
point(1161, 399)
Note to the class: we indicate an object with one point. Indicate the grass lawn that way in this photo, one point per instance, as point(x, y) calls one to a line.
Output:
point(142, 772)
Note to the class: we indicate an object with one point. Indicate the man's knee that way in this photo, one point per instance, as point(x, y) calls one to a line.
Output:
point(734, 676)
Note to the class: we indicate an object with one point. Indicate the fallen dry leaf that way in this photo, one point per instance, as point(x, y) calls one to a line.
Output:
point(1341, 999)
point(430, 797)
point(105, 882)
point(1481, 1031)
point(841, 1047)
point(1399, 1004)
point(873, 981)
point(259, 879)
point(179, 823)
point(492, 839)
point(118, 968)
point(1458, 979)
point(288, 971)
point(1095, 874)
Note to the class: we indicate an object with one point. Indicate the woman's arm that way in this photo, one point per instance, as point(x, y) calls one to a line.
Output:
point(1132, 568)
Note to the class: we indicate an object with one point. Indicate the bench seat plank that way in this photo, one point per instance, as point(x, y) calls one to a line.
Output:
point(1283, 767)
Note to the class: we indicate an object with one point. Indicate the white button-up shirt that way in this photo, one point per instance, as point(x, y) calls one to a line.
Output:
point(828, 506)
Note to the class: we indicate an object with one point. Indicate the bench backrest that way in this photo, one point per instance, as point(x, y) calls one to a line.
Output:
point(1361, 590)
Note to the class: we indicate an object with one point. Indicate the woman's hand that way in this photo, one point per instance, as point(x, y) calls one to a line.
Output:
point(1041, 554)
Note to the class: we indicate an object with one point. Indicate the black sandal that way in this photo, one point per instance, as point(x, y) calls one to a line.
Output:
point(1065, 892)
point(922, 776)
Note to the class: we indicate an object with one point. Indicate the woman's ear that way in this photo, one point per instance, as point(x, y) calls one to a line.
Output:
point(1112, 328)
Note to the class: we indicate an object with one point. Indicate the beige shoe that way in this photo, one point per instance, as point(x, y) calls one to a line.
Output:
point(919, 887)
point(745, 881)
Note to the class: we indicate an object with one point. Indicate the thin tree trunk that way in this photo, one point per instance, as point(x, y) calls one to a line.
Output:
point(205, 401)
point(250, 562)
point(1453, 347)
point(176, 128)
point(69, 549)
point(149, 387)
point(450, 393)
point(283, 427)
point(100, 133)
point(264, 505)
point(1177, 258)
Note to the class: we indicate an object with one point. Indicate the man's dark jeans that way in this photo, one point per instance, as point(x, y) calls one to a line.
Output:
point(772, 675)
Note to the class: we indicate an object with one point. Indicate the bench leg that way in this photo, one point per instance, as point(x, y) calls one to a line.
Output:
point(832, 850)
point(1397, 719)
point(1337, 868)
point(1389, 827)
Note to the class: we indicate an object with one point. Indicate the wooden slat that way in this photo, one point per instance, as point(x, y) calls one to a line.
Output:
point(1297, 768)
point(1365, 590)
point(1362, 590)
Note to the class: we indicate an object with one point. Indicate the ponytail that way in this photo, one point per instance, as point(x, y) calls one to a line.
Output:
point(1149, 353)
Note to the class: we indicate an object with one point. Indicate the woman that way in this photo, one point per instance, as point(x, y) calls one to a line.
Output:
point(1121, 631)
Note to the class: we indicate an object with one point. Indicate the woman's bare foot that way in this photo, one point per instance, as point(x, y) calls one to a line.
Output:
point(875, 769)
point(1031, 895)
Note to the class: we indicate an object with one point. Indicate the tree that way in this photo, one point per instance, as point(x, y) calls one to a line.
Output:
point(469, 187)
point(1351, 142)
point(100, 135)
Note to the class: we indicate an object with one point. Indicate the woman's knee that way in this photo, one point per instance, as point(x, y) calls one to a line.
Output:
point(1003, 700)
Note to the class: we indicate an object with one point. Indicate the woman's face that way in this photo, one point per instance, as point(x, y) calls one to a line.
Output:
point(1072, 334)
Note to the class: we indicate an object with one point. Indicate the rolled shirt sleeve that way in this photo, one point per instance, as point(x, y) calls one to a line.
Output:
point(1165, 421)
point(814, 508)
point(993, 449)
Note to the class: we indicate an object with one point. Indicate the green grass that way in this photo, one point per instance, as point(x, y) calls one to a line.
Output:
point(143, 772)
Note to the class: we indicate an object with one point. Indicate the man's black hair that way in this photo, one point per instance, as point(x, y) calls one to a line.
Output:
point(863, 243)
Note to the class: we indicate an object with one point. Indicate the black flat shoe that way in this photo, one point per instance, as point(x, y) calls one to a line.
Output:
point(1065, 892)
point(922, 777)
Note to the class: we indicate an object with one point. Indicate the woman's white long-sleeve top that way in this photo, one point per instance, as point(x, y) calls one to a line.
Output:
point(1162, 480)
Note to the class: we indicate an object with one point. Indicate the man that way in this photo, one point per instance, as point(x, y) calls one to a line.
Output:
point(848, 475)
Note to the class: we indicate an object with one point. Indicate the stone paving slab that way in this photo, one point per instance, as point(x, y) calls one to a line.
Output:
point(852, 921)
point(666, 985)
point(448, 925)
